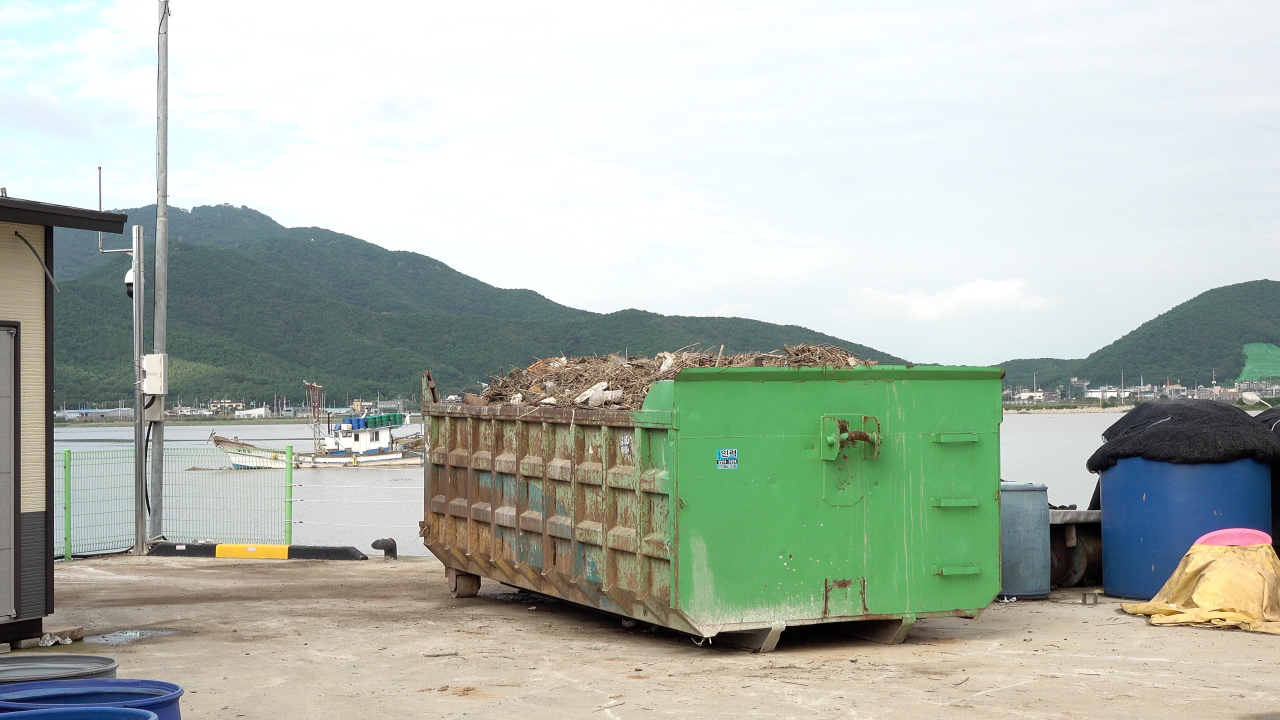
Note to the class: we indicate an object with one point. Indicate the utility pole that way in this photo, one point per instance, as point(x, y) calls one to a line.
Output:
point(139, 424)
point(161, 327)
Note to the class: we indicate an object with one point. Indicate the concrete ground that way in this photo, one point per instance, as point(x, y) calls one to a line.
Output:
point(379, 639)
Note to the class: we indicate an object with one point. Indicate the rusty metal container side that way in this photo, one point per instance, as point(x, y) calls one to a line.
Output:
point(569, 502)
point(737, 499)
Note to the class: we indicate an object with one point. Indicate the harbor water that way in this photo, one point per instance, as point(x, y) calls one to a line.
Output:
point(355, 506)
point(333, 506)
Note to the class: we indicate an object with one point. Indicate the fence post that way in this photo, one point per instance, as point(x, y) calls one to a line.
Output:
point(66, 505)
point(288, 494)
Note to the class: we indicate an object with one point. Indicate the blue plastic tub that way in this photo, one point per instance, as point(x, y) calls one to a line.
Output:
point(158, 697)
point(1152, 512)
point(85, 713)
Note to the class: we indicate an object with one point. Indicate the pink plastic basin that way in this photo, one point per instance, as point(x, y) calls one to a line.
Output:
point(1235, 536)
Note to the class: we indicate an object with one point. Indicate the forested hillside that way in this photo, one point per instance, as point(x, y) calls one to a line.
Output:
point(255, 309)
point(1191, 343)
point(361, 273)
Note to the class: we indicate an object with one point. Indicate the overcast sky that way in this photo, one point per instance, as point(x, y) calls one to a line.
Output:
point(949, 182)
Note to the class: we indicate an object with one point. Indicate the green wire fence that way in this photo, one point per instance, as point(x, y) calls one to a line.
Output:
point(205, 500)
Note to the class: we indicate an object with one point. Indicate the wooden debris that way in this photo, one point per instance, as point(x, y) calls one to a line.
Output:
point(621, 383)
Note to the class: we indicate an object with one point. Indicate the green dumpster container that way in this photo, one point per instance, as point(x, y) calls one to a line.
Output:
point(736, 502)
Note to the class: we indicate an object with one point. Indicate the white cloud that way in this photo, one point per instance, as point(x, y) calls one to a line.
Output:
point(18, 12)
point(759, 159)
point(980, 297)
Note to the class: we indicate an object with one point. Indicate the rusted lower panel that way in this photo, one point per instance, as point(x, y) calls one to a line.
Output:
point(571, 503)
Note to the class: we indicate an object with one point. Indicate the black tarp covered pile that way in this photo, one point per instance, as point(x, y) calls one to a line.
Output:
point(1270, 419)
point(1189, 432)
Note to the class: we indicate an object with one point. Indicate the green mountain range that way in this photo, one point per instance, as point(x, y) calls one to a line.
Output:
point(256, 308)
point(1229, 333)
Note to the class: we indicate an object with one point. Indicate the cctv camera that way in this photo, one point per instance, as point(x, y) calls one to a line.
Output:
point(128, 283)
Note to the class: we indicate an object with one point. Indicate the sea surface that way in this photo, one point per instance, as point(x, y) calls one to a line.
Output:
point(355, 506)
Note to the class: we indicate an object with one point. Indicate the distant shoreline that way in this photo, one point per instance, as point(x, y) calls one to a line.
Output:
point(188, 422)
point(1063, 411)
point(1112, 409)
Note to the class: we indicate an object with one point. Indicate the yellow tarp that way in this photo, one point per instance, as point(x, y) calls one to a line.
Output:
point(1219, 585)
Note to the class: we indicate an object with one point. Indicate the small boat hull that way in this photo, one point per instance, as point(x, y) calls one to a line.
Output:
point(244, 456)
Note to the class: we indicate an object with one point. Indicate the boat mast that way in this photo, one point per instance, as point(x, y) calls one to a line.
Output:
point(315, 398)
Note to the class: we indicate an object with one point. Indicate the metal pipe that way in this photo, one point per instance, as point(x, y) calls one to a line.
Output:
point(161, 312)
point(66, 505)
point(139, 437)
point(288, 494)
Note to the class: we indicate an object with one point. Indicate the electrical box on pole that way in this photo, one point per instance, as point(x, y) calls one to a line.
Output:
point(155, 374)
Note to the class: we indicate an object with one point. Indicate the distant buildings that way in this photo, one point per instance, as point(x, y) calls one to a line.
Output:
point(237, 409)
point(89, 415)
point(1265, 388)
point(187, 411)
point(1138, 393)
point(226, 406)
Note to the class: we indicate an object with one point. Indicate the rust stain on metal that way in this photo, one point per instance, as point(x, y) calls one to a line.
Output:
point(429, 392)
point(852, 436)
point(826, 593)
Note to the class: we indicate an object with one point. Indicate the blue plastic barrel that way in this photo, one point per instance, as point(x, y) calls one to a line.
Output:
point(85, 713)
point(1025, 560)
point(1153, 511)
point(158, 697)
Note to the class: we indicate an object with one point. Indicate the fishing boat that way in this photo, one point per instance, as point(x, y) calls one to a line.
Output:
point(360, 440)
point(245, 456)
point(349, 448)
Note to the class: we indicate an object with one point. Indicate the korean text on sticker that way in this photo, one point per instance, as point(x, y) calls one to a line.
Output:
point(727, 459)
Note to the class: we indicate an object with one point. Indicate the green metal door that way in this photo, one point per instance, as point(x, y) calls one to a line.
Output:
point(932, 508)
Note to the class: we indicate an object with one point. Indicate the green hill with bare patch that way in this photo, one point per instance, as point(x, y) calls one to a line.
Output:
point(1230, 333)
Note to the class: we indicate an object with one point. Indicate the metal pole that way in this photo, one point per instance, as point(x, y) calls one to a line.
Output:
point(139, 434)
point(161, 312)
point(66, 505)
point(288, 494)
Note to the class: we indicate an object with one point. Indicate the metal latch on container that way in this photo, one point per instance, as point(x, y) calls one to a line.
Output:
point(837, 434)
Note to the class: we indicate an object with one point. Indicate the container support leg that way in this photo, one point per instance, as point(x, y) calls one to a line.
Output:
point(889, 632)
point(762, 641)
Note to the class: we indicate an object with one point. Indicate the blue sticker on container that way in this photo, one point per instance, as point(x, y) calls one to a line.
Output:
point(727, 459)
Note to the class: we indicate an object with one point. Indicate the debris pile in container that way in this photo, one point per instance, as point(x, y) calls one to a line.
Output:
point(621, 383)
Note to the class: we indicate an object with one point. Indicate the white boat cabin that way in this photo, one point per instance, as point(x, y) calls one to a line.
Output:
point(347, 441)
